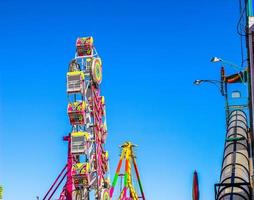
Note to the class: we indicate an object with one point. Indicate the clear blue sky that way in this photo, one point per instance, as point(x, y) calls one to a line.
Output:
point(152, 51)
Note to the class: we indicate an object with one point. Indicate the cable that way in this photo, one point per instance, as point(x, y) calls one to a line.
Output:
point(241, 37)
point(241, 30)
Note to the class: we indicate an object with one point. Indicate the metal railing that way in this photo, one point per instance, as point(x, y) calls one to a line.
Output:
point(235, 173)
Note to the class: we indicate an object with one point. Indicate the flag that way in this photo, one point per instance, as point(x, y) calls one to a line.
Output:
point(240, 77)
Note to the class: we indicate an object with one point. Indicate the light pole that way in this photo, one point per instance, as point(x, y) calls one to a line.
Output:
point(244, 78)
point(222, 86)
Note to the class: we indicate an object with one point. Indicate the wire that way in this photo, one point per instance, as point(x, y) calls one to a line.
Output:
point(241, 29)
point(239, 23)
point(241, 37)
point(240, 26)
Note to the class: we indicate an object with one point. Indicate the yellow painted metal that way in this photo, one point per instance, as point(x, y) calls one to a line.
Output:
point(102, 100)
point(81, 73)
point(97, 70)
point(80, 134)
point(105, 195)
point(87, 40)
point(128, 153)
point(82, 168)
point(77, 105)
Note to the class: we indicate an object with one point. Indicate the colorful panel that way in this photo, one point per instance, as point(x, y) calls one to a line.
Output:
point(76, 112)
point(84, 46)
point(79, 141)
point(75, 82)
point(97, 70)
point(74, 66)
point(80, 173)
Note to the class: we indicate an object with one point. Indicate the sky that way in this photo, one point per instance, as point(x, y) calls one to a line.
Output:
point(152, 51)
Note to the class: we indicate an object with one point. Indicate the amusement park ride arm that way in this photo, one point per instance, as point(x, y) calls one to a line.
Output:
point(128, 155)
point(56, 184)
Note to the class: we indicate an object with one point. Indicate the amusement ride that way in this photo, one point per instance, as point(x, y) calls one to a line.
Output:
point(86, 173)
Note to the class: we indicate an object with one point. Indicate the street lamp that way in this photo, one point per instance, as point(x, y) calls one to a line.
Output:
point(217, 59)
point(219, 84)
point(198, 82)
point(222, 85)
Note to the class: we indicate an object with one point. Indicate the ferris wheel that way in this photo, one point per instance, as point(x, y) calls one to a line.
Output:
point(87, 164)
point(86, 172)
point(87, 115)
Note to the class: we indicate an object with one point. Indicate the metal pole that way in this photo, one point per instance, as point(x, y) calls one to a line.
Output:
point(224, 92)
point(249, 8)
point(249, 38)
point(226, 101)
point(249, 45)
